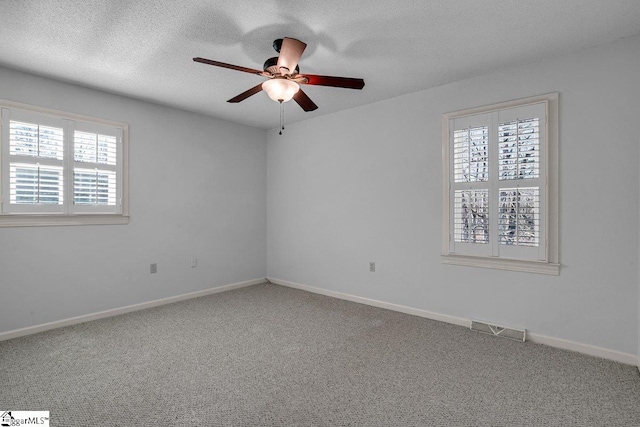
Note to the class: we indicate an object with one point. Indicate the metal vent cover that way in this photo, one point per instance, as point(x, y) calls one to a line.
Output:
point(499, 331)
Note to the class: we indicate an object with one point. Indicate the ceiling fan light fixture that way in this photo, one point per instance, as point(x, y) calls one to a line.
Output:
point(284, 76)
point(280, 90)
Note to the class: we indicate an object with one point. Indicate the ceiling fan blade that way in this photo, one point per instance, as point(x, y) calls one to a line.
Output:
point(244, 95)
point(230, 66)
point(290, 53)
point(345, 82)
point(304, 101)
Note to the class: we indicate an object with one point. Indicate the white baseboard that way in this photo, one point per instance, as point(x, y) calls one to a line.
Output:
point(591, 350)
point(605, 353)
point(122, 310)
point(381, 304)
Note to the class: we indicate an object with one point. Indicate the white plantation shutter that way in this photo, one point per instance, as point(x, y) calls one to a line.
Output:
point(519, 149)
point(52, 164)
point(496, 201)
point(35, 184)
point(471, 154)
point(35, 140)
point(469, 186)
point(94, 187)
point(92, 147)
point(520, 191)
point(32, 163)
point(471, 216)
point(519, 216)
point(95, 168)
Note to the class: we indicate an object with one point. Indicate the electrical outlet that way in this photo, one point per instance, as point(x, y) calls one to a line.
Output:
point(372, 267)
point(194, 262)
point(154, 268)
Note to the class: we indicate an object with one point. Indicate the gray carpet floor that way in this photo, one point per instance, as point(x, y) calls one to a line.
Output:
point(267, 355)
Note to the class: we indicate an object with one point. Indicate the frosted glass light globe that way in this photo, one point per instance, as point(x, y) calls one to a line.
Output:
point(280, 90)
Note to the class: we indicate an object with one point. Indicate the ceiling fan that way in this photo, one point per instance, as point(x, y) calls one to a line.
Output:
point(284, 76)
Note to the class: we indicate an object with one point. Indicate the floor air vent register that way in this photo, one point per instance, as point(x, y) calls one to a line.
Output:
point(499, 331)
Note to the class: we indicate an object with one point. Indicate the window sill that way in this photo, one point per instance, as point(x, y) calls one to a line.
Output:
point(61, 220)
point(503, 264)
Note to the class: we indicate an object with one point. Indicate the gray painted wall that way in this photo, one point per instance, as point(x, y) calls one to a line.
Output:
point(364, 185)
point(197, 189)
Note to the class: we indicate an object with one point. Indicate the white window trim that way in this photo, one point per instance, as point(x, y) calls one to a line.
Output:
point(31, 219)
point(551, 265)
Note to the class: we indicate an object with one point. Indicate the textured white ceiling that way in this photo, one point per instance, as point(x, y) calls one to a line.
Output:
point(144, 48)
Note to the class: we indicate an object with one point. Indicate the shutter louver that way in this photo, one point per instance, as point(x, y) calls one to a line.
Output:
point(35, 151)
point(471, 154)
point(94, 187)
point(471, 216)
point(519, 149)
point(97, 186)
point(94, 148)
point(29, 139)
point(34, 184)
point(519, 216)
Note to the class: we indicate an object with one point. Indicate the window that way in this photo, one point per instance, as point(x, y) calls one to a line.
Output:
point(500, 198)
point(61, 169)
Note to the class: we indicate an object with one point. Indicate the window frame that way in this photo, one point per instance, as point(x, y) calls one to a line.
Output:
point(65, 215)
point(549, 180)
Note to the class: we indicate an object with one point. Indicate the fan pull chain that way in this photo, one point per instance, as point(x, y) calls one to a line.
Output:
point(281, 117)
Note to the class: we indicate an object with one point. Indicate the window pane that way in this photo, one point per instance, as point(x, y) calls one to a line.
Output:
point(471, 216)
point(471, 154)
point(31, 139)
point(519, 149)
point(33, 184)
point(519, 216)
point(94, 148)
point(94, 187)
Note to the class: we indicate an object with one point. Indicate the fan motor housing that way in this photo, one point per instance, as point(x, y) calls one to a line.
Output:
point(271, 66)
